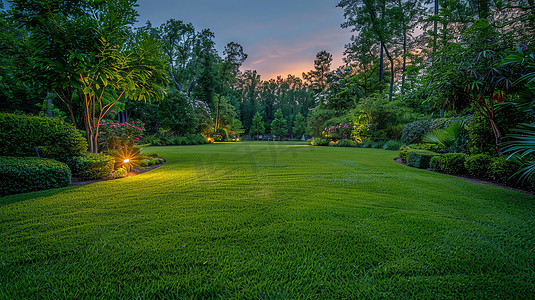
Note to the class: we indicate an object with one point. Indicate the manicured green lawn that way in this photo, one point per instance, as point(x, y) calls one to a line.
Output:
point(270, 220)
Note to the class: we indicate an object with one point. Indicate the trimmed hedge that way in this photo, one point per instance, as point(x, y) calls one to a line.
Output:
point(92, 165)
point(503, 170)
point(478, 165)
point(420, 158)
point(449, 163)
point(26, 174)
point(163, 139)
point(22, 134)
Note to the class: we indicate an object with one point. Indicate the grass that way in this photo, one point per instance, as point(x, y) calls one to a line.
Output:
point(270, 220)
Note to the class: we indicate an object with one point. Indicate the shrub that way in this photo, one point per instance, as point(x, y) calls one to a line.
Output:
point(478, 165)
point(404, 153)
point(113, 136)
point(22, 134)
point(414, 131)
point(449, 163)
point(143, 163)
point(25, 174)
point(163, 139)
point(420, 158)
point(377, 144)
point(92, 165)
point(392, 145)
point(121, 172)
point(345, 143)
point(319, 142)
point(503, 170)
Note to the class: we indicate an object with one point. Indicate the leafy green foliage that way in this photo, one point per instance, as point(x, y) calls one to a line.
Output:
point(257, 127)
point(393, 145)
point(21, 135)
point(92, 166)
point(445, 138)
point(113, 136)
point(478, 165)
point(319, 142)
point(413, 132)
point(83, 48)
point(450, 163)
point(164, 139)
point(176, 114)
point(121, 172)
point(345, 143)
point(420, 158)
point(404, 153)
point(278, 126)
point(26, 174)
point(299, 127)
point(503, 170)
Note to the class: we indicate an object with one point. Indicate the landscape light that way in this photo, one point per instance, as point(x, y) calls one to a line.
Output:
point(126, 160)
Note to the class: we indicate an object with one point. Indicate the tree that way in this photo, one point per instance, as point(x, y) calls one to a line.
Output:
point(81, 51)
point(176, 114)
point(278, 126)
point(322, 67)
point(299, 127)
point(257, 127)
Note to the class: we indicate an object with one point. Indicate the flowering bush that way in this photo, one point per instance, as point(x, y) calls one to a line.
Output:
point(114, 136)
point(338, 132)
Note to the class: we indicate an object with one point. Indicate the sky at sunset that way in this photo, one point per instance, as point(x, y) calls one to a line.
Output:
point(280, 36)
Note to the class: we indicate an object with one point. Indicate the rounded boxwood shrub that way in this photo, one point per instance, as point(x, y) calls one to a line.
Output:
point(478, 165)
point(92, 165)
point(449, 163)
point(26, 174)
point(420, 158)
point(21, 135)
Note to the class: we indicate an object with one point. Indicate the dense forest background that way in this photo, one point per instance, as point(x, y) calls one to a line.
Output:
point(408, 60)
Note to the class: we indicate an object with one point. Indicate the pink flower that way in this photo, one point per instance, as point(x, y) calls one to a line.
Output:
point(139, 128)
point(138, 122)
point(132, 122)
point(111, 125)
point(136, 139)
point(143, 124)
point(107, 122)
point(139, 135)
point(112, 111)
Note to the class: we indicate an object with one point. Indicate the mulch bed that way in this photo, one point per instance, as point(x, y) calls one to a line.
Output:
point(133, 172)
point(478, 180)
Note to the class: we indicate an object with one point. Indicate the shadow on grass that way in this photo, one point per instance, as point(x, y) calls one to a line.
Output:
point(10, 199)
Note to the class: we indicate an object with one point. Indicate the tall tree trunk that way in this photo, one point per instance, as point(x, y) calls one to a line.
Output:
point(381, 69)
point(49, 104)
point(404, 68)
point(435, 29)
point(391, 80)
point(217, 114)
point(497, 134)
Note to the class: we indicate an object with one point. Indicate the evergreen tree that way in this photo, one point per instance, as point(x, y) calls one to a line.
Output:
point(278, 126)
point(299, 125)
point(257, 126)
